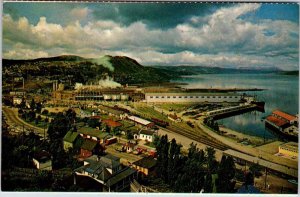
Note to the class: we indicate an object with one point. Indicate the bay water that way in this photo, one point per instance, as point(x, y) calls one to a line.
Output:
point(280, 92)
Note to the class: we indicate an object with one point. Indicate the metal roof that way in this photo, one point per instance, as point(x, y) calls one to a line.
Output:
point(70, 136)
point(94, 132)
point(284, 115)
point(89, 144)
point(146, 162)
point(120, 176)
point(139, 120)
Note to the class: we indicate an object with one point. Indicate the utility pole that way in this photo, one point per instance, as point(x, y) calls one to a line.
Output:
point(266, 173)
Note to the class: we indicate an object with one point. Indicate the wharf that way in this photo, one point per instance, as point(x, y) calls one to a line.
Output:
point(230, 111)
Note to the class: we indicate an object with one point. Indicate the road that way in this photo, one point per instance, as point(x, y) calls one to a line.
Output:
point(13, 120)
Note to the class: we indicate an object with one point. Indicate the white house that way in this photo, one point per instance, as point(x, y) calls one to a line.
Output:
point(146, 135)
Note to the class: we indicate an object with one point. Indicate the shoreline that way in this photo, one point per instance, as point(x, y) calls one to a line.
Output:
point(239, 137)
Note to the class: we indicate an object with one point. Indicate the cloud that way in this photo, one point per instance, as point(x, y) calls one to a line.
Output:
point(80, 13)
point(220, 37)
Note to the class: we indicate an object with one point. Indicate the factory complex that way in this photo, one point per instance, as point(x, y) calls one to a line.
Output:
point(148, 95)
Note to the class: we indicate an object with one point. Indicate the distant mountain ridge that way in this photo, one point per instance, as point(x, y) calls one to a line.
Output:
point(126, 70)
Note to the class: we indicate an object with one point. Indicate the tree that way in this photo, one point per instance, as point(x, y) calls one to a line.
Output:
point(162, 157)
point(38, 107)
point(192, 177)
point(45, 112)
point(226, 172)
point(211, 159)
point(173, 162)
point(57, 129)
point(255, 169)
point(129, 135)
point(32, 105)
point(93, 123)
point(208, 186)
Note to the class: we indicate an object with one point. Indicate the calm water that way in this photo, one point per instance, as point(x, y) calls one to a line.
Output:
point(281, 93)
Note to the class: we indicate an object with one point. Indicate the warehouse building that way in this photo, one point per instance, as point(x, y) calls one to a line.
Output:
point(192, 97)
point(289, 149)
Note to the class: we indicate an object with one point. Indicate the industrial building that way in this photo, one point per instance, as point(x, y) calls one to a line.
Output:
point(177, 97)
point(289, 149)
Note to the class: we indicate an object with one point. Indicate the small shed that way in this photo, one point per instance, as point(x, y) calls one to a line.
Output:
point(145, 165)
point(69, 139)
point(42, 160)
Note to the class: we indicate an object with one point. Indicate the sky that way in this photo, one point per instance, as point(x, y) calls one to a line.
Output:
point(231, 35)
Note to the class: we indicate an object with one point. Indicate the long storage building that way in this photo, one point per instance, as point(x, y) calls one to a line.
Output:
point(192, 97)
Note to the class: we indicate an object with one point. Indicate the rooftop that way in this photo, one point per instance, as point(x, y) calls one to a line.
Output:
point(290, 145)
point(189, 94)
point(112, 123)
point(147, 132)
point(94, 132)
point(42, 156)
point(71, 136)
point(120, 176)
point(97, 169)
point(284, 115)
point(146, 162)
point(89, 144)
point(139, 120)
point(276, 121)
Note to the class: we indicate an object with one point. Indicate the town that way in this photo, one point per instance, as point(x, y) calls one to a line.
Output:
point(98, 137)
point(146, 98)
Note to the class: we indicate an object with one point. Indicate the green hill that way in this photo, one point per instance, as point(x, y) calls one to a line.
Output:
point(123, 69)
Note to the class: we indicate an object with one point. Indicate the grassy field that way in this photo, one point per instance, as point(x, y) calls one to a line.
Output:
point(149, 112)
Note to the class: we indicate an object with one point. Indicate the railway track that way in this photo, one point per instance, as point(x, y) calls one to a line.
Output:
point(198, 137)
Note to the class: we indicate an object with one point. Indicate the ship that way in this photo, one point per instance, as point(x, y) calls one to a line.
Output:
point(284, 125)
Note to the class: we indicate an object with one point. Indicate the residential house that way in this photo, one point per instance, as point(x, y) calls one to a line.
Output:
point(108, 171)
point(42, 160)
point(129, 147)
point(147, 135)
point(70, 139)
point(90, 147)
point(94, 134)
point(145, 165)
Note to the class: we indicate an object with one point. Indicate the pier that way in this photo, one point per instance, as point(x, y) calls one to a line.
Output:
point(230, 111)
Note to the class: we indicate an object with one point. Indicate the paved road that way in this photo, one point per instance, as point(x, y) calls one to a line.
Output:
point(13, 119)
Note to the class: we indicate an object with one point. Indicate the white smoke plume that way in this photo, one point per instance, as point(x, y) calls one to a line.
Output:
point(104, 61)
point(108, 83)
point(102, 83)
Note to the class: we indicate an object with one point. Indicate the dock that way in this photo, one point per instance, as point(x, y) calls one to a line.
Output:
point(230, 111)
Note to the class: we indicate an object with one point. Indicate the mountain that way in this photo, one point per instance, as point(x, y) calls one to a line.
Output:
point(196, 70)
point(125, 70)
